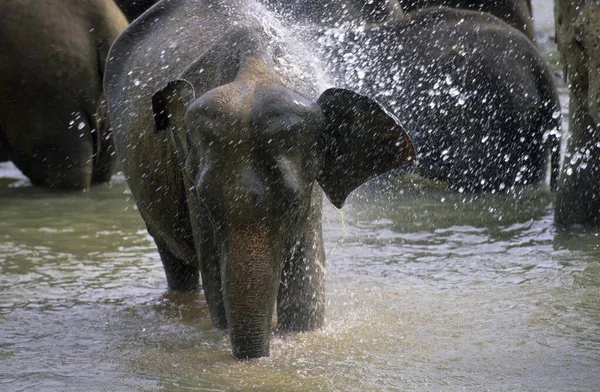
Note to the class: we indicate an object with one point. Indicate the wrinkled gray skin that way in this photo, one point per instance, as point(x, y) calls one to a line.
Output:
point(223, 138)
point(578, 38)
point(474, 94)
point(517, 13)
point(335, 13)
point(53, 120)
point(134, 8)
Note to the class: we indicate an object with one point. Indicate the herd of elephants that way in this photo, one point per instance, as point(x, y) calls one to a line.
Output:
point(224, 116)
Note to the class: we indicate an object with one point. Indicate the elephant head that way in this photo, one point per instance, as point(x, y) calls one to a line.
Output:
point(250, 152)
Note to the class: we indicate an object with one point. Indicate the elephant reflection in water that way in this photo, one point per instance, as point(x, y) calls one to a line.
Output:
point(578, 39)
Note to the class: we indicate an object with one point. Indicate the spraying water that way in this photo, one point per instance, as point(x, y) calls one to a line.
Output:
point(428, 290)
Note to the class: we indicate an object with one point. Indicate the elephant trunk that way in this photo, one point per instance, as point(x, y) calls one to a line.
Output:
point(250, 278)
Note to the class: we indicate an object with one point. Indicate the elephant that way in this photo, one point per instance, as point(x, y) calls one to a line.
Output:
point(227, 144)
point(578, 39)
point(517, 13)
point(4, 152)
point(328, 13)
point(53, 116)
point(134, 8)
point(474, 94)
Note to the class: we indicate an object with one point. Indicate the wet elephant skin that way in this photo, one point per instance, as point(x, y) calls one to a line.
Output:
point(53, 117)
point(226, 139)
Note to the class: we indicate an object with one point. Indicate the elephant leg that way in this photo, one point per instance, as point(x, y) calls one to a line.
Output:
point(104, 168)
point(211, 273)
point(105, 156)
point(5, 154)
point(211, 279)
point(55, 166)
point(53, 149)
point(181, 275)
point(301, 298)
point(578, 197)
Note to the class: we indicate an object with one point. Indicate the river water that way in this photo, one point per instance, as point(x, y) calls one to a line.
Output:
point(428, 291)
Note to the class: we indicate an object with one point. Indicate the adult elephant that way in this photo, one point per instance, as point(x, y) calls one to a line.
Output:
point(53, 120)
point(223, 137)
point(578, 38)
point(328, 13)
point(517, 13)
point(134, 8)
point(474, 93)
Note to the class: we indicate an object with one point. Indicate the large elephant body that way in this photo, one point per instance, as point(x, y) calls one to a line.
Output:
point(578, 38)
point(517, 13)
point(53, 120)
point(222, 135)
point(474, 94)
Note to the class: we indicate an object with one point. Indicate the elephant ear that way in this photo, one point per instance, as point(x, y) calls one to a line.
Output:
point(169, 106)
point(363, 141)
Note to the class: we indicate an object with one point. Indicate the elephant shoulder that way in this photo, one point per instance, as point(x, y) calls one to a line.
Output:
point(130, 41)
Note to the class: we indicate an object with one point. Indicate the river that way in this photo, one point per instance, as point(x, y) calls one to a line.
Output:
point(428, 290)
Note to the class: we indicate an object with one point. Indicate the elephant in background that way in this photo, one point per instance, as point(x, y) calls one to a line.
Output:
point(578, 39)
point(53, 117)
point(4, 151)
point(475, 95)
point(227, 143)
point(517, 13)
point(328, 13)
point(134, 8)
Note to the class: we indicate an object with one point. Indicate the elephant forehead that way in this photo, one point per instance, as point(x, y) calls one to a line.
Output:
point(250, 111)
point(237, 98)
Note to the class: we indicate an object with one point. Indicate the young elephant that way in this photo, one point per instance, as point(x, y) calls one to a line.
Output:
point(53, 120)
point(474, 93)
point(223, 138)
point(516, 13)
point(578, 38)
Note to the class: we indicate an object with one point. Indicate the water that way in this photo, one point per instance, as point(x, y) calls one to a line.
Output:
point(428, 290)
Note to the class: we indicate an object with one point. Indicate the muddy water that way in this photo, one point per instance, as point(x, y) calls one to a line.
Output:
point(428, 290)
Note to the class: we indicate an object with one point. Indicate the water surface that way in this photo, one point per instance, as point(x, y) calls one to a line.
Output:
point(428, 290)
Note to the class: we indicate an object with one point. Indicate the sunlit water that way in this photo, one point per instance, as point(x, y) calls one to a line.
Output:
point(428, 290)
